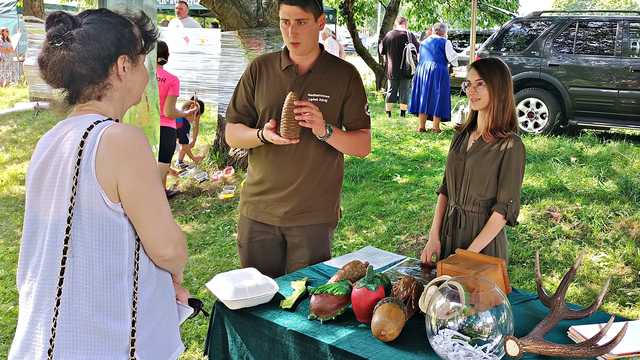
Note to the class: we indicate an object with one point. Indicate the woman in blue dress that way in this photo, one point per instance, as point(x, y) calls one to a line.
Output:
point(431, 95)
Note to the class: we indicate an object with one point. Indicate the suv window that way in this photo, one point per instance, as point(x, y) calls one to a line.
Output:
point(596, 38)
point(460, 40)
point(519, 35)
point(634, 40)
point(587, 38)
point(563, 43)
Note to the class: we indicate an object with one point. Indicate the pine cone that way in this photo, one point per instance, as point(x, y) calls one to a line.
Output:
point(289, 127)
point(408, 290)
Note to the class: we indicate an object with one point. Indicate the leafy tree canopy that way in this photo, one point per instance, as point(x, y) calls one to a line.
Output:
point(424, 13)
point(573, 5)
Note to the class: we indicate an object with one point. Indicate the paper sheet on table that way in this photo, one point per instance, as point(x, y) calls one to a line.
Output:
point(376, 257)
point(628, 346)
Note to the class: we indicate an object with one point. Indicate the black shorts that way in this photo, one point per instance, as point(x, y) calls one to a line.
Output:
point(183, 133)
point(167, 144)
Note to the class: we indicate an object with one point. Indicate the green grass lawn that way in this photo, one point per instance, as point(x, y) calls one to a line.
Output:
point(580, 194)
point(11, 95)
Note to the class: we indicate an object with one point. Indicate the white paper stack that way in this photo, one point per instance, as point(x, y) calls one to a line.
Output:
point(627, 348)
point(376, 257)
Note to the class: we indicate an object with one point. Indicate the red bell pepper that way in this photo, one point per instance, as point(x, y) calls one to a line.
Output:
point(366, 293)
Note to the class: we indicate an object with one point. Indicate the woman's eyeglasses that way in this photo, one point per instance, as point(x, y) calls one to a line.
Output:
point(198, 306)
point(468, 85)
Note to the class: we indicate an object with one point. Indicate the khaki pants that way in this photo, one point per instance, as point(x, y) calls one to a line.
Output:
point(276, 250)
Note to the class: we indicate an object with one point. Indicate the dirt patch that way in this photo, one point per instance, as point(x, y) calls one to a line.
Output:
point(553, 214)
point(630, 227)
point(411, 244)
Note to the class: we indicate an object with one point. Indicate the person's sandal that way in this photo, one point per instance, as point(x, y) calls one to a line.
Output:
point(181, 165)
point(436, 131)
point(421, 130)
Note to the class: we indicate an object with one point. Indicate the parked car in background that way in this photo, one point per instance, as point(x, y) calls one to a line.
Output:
point(460, 39)
point(370, 43)
point(347, 42)
point(572, 68)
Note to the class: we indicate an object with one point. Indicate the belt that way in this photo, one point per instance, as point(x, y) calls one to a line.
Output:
point(456, 214)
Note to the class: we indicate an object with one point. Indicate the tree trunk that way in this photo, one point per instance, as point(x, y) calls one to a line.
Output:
point(244, 14)
point(391, 12)
point(389, 18)
point(222, 154)
point(34, 8)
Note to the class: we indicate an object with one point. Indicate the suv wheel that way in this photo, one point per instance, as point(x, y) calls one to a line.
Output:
point(537, 111)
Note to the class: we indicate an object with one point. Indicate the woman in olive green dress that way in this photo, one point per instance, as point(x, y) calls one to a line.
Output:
point(480, 192)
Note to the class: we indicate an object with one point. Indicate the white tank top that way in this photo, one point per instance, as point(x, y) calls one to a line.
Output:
point(95, 314)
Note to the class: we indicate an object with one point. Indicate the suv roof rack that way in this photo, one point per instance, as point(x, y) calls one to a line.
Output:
point(584, 12)
point(497, 9)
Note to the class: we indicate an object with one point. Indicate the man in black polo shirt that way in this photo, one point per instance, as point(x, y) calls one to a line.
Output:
point(290, 203)
point(393, 47)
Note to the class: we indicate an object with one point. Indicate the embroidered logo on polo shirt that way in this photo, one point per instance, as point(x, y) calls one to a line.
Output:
point(318, 98)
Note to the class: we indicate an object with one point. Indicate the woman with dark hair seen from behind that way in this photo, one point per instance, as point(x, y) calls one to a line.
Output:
point(480, 191)
point(88, 288)
point(169, 91)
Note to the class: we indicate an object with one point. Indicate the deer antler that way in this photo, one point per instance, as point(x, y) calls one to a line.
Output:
point(535, 343)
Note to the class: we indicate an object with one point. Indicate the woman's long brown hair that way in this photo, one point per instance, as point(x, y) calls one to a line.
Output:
point(2, 33)
point(502, 119)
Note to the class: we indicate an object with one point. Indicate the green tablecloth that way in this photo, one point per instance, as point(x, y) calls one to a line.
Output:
point(267, 332)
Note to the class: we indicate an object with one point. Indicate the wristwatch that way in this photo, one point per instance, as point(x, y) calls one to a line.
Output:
point(328, 132)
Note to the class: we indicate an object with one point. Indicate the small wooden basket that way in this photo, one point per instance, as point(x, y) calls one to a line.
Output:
point(289, 127)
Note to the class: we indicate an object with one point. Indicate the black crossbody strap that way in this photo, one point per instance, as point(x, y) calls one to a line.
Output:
point(65, 252)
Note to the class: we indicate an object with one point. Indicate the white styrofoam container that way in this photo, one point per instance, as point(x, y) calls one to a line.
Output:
point(242, 288)
point(245, 303)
